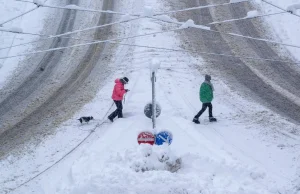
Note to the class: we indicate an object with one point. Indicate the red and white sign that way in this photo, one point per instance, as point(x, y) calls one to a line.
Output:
point(146, 137)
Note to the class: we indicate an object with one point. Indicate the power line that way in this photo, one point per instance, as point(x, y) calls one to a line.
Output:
point(197, 8)
point(206, 53)
point(99, 124)
point(280, 8)
point(19, 15)
point(246, 18)
point(77, 8)
point(90, 43)
point(232, 34)
point(69, 33)
point(17, 31)
point(112, 41)
point(156, 18)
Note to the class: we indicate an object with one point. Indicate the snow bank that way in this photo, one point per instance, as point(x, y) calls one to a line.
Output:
point(150, 169)
point(252, 14)
point(191, 23)
point(166, 18)
point(154, 65)
point(148, 11)
point(126, 17)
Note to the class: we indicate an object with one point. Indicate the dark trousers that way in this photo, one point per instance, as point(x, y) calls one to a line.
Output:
point(204, 106)
point(118, 111)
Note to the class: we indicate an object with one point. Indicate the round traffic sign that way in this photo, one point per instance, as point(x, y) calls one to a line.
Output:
point(163, 137)
point(146, 137)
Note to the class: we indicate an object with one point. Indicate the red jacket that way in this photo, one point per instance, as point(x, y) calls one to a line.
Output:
point(118, 91)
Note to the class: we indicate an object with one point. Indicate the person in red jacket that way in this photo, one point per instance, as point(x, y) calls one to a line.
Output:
point(117, 96)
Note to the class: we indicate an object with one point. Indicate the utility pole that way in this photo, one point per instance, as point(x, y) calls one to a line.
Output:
point(153, 79)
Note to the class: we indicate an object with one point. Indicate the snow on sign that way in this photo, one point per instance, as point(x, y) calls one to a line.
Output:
point(146, 137)
point(163, 137)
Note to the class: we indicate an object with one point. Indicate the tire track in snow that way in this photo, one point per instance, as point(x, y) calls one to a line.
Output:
point(53, 111)
point(236, 71)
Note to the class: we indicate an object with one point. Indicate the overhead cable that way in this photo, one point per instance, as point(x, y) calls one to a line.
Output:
point(206, 53)
point(200, 27)
point(267, 2)
point(90, 43)
point(69, 33)
point(113, 41)
point(247, 18)
point(197, 8)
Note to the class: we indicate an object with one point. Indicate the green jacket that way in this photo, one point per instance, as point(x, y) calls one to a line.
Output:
point(206, 93)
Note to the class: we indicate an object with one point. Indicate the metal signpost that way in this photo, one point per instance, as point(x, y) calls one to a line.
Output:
point(153, 79)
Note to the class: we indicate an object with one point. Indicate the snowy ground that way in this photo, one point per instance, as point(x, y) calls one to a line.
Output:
point(245, 152)
point(8, 10)
point(285, 26)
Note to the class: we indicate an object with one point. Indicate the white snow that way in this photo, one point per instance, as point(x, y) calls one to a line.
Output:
point(126, 17)
point(148, 11)
point(154, 65)
point(191, 24)
point(31, 22)
point(166, 18)
point(237, 1)
point(71, 6)
point(283, 26)
point(252, 14)
point(12, 29)
point(38, 2)
point(293, 8)
point(250, 150)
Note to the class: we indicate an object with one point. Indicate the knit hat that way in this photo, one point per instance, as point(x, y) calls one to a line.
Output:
point(207, 78)
point(125, 80)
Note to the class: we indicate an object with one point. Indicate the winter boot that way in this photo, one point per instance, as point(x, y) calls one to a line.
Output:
point(195, 120)
point(212, 119)
point(112, 120)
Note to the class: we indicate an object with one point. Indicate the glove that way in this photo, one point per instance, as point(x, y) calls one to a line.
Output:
point(126, 90)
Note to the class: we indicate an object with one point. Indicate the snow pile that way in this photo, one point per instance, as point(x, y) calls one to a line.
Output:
point(153, 158)
point(166, 18)
point(252, 14)
point(293, 8)
point(191, 23)
point(154, 65)
point(126, 17)
point(148, 11)
point(150, 169)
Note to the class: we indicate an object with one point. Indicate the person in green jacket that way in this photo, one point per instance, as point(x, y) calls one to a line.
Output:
point(206, 96)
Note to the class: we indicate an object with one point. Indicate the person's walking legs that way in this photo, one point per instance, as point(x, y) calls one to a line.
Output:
point(210, 107)
point(117, 112)
point(204, 106)
point(119, 109)
point(196, 118)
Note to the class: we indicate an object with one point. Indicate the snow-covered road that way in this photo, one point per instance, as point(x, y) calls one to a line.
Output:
point(250, 150)
point(36, 101)
point(273, 84)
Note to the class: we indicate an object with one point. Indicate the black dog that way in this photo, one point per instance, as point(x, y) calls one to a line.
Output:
point(85, 119)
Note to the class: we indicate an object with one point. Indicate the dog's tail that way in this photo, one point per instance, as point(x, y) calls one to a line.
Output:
point(80, 120)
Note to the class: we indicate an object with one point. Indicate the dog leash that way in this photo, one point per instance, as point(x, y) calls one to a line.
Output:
point(124, 97)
